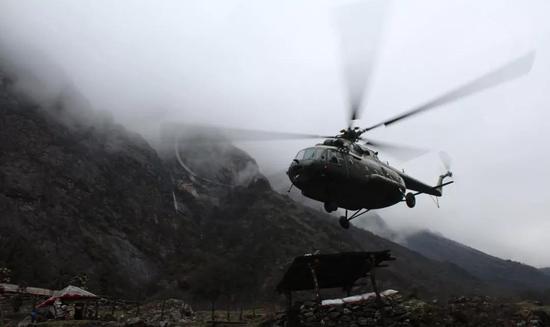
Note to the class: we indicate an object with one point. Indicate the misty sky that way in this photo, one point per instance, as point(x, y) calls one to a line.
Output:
point(276, 65)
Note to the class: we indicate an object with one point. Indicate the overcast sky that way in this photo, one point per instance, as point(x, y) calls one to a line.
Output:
point(276, 65)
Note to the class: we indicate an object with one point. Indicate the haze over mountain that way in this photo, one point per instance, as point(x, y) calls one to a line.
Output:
point(276, 65)
point(95, 198)
point(496, 272)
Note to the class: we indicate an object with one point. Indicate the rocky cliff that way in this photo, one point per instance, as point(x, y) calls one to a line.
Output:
point(94, 198)
point(499, 274)
point(76, 199)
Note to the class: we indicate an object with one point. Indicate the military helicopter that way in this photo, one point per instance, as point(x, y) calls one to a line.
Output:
point(344, 170)
point(344, 174)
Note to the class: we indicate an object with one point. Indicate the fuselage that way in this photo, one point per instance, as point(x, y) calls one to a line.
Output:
point(351, 178)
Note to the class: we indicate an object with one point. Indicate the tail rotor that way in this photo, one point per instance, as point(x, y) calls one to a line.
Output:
point(446, 161)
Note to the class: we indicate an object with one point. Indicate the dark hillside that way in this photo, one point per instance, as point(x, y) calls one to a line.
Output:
point(499, 274)
point(81, 199)
point(97, 199)
point(263, 230)
point(494, 271)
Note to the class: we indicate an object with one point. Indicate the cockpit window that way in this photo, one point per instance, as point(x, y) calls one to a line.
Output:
point(309, 154)
point(312, 154)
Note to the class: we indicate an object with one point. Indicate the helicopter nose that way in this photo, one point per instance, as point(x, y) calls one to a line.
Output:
point(294, 171)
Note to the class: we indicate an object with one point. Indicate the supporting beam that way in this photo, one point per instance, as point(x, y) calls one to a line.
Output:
point(213, 310)
point(379, 302)
point(162, 309)
point(315, 283)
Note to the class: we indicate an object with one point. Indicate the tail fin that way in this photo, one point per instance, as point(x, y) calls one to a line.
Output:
point(440, 179)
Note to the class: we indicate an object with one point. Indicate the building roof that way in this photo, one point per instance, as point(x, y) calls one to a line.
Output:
point(14, 288)
point(338, 270)
point(69, 293)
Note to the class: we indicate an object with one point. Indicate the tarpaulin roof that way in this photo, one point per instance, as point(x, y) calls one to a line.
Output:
point(69, 293)
point(339, 270)
point(14, 288)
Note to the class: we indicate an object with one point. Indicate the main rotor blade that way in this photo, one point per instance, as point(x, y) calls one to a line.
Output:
point(445, 160)
point(218, 133)
point(508, 72)
point(359, 26)
point(398, 151)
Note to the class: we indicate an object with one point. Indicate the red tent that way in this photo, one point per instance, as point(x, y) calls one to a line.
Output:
point(69, 293)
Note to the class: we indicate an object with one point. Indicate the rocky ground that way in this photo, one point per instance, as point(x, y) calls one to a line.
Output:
point(158, 313)
point(396, 311)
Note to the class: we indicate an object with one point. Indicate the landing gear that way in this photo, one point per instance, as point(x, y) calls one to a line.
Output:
point(330, 207)
point(344, 220)
point(410, 200)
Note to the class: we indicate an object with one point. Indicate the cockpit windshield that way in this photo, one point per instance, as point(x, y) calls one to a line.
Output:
point(311, 154)
point(300, 155)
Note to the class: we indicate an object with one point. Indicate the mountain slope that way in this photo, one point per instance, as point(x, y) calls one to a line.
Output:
point(493, 270)
point(498, 273)
point(80, 199)
point(264, 230)
point(97, 199)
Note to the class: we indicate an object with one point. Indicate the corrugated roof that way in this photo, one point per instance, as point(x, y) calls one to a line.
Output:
point(14, 288)
point(339, 270)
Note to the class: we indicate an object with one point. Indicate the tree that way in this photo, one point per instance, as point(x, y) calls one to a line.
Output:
point(5, 275)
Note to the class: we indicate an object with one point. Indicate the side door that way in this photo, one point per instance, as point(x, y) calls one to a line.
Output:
point(357, 168)
point(337, 167)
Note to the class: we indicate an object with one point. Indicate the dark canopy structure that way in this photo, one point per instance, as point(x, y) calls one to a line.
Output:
point(338, 270)
point(69, 293)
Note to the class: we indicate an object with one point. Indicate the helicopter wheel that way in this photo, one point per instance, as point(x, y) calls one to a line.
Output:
point(344, 222)
point(410, 200)
point(330, 207)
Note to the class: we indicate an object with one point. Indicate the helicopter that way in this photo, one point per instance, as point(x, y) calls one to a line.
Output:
point(344, 171)
point(344, 174)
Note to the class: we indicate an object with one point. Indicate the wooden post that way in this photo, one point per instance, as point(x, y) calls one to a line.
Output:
point(315, 284)
point(55, 313)
point(213, 310)
point(228, 313)
point(241, 312)
point(289, 301)
point(162, 310)
point(375, 288)
point(348, 291)
point(1, 308)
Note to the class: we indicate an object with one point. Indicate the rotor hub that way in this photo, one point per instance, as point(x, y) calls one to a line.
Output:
point(351, 134)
